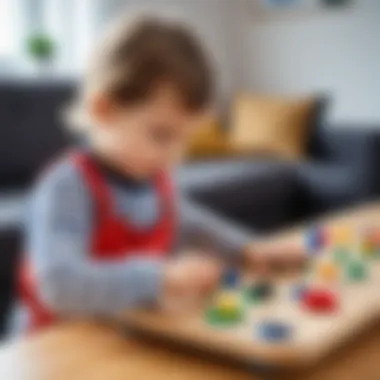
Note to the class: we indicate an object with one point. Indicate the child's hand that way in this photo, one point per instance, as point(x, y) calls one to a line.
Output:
point(191, 276)
point(263, 257)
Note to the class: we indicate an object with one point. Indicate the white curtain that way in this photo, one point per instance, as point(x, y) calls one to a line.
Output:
point(71, 24)
point(10, 28)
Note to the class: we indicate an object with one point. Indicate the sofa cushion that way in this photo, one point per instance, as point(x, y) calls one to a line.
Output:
point(331, 186)
point(31, 130)
point(209, 140)
point(258, 194)
point(274, 126)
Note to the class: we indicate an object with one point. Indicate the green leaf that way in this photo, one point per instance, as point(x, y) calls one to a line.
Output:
point(40, 46)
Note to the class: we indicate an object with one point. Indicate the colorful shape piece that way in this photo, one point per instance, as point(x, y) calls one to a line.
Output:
point(231, 278)
point(328, 271)
point(356, 271)
point(226, 310)
point(227, 302)
point(341, 256)
point(216, 318)
point(375, 238)
point(274, 331)
point(315, 239)
point(250, 297)
point(320, 301)
point(367, 248)
point(370, 243)
point(299, 291)
point(342, 235)
point(260, 291)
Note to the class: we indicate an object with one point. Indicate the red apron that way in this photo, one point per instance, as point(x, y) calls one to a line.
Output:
point(112, 239)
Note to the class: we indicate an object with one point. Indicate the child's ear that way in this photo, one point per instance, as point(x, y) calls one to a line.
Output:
point(100, 108)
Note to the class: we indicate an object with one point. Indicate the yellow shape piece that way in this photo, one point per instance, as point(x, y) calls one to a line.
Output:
point(227, 302)
point(342, 235)
point(328, 271)
point(367, 248)
point(369, 242)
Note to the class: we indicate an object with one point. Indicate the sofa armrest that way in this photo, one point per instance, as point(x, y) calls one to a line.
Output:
point(353, 145)
point(345, 143)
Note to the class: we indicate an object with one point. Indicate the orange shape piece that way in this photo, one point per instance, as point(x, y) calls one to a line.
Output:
point(342, 235)
point(328, 271)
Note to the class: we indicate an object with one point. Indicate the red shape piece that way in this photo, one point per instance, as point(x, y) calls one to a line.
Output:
point(320, 301)
point(374, 237)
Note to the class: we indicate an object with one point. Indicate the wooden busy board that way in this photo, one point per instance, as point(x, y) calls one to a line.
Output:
point(313, 335)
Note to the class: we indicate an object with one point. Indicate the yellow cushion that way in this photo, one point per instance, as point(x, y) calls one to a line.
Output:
point(272, 126)
point(208, 141)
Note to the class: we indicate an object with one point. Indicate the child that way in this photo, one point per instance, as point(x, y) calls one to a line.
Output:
point(103, 219)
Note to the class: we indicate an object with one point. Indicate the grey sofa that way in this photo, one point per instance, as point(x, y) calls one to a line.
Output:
point(341, 168)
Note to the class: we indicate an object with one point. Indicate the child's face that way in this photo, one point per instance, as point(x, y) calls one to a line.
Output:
point(148, 137)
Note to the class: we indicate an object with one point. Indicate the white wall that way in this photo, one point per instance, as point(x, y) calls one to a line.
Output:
point(335, 52)
point(72, 24)
point(330, 52)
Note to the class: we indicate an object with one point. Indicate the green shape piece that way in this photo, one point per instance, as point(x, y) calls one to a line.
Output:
point(217, 317)
point(367, 253)
point(373, 254)
point(251, 297)
point(341, 256)
point(356, 271)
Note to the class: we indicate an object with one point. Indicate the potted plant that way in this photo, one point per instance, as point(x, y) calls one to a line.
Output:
point(41, 48)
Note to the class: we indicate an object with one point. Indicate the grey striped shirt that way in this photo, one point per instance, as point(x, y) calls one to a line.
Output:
point(58, 234)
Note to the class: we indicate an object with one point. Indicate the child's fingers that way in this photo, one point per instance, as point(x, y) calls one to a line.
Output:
point(192, 275)
point(266, 258)
point(210, 281)
point(206, 274)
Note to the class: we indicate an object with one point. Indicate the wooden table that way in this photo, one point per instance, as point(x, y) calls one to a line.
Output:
point(83, 350)
point(92, 351)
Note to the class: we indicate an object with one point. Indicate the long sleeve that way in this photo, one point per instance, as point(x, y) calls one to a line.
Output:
point(201, 226)
point(58, 241)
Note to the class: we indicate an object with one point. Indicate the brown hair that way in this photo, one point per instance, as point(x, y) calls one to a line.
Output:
point(134, 57)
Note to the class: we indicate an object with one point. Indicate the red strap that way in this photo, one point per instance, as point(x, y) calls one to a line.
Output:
point(98, 187)
point(100, 190)
point(164, 186)
point(27, 288)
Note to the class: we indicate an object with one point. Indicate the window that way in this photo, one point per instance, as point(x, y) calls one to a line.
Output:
point(71, 24)
point(8, 33)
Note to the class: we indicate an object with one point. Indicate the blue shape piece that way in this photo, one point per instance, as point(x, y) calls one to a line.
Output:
point(274, 331)
point(231, 278)
point(314, 240)
point(298, 291)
